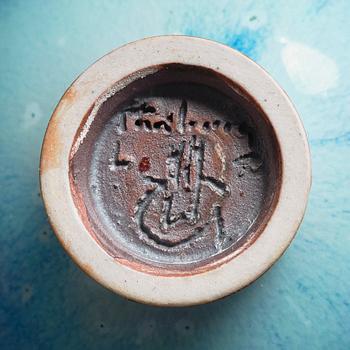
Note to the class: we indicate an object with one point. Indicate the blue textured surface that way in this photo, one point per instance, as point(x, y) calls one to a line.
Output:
point(303, 302)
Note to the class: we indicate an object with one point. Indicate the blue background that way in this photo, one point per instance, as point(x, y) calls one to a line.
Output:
point(46, 301)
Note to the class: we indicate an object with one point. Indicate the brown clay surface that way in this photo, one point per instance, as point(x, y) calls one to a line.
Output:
point(177, 171)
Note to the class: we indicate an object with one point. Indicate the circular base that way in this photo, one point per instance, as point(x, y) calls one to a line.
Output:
point(175, 171)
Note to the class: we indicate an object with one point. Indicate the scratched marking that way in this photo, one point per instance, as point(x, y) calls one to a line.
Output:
point(184, 165)
point(119, 161)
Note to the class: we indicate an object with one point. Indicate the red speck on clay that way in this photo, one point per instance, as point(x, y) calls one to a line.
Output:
point(144, 164)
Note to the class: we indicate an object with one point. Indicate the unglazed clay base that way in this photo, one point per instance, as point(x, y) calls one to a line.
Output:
point(176, 171)
point(175, 162)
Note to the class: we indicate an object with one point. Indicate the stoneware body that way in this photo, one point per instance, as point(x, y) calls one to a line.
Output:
point(175, 171)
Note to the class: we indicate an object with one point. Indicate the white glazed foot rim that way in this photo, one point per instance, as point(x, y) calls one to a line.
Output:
point(74, 110)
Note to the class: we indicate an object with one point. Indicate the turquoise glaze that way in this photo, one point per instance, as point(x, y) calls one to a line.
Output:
point(47, 302)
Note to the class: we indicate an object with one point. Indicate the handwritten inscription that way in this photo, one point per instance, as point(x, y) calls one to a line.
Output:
point(186, 198)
